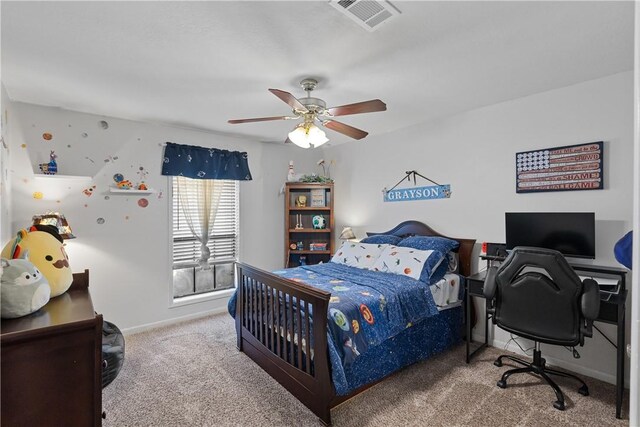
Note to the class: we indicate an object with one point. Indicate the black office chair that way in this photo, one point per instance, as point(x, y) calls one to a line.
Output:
point(536, 294)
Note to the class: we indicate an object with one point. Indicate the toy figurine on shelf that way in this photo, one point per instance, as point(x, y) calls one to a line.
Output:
point(121, 183)
point(142, 186)
point(319, 223)
point(303, 260)
point(50, 168)
point(301, 201)
point(291, 176)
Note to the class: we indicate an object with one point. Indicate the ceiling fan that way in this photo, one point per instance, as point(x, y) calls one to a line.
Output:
point(314, 110)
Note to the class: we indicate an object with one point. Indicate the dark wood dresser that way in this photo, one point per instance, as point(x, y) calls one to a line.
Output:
point(51, 363)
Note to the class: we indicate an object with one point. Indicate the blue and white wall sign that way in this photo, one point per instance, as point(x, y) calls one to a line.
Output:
point(418, 193)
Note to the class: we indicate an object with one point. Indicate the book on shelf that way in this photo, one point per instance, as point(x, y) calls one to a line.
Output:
point(318, 198)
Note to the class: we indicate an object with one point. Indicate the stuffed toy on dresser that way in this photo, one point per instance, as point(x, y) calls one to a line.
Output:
point(23, 288)
point(45, 249)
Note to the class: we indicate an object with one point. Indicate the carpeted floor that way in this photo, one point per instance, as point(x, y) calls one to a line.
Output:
point(191, 374)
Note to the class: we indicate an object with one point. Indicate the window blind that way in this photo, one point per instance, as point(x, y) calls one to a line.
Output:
point(223, 241)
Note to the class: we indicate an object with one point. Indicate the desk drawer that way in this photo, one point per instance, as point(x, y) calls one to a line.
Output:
point(608, 312)
point(475, 287)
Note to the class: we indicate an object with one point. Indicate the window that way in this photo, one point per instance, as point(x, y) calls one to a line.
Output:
point(188, 277)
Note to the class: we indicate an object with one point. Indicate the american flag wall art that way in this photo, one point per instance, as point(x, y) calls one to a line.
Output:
point(572, 167)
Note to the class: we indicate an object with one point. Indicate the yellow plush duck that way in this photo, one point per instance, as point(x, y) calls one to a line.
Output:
point(46, 251)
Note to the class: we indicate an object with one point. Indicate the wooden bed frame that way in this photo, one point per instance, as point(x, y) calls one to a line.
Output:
point(262, 332)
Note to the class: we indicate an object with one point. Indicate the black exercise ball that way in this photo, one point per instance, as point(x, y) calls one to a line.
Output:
point(112, 352)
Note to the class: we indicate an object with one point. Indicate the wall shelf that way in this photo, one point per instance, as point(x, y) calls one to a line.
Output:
point(57, 176)
point(131, 191)
point(310, 230)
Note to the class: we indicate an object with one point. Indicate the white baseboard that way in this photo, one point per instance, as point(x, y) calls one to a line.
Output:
point(167, 322)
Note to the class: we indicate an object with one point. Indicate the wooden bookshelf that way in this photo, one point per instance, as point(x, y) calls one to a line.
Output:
point(295, 215)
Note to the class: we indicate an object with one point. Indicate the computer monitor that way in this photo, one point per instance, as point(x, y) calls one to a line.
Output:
point(570, 233)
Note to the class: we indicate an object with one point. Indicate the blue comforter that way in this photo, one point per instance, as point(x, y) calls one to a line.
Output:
point(366, 307)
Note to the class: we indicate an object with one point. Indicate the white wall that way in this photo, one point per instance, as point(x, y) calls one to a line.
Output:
point(6, 110)
point(129, 255)
point(475, 153)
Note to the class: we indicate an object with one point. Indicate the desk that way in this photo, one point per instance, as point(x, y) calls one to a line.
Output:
point(611, 311)
point(474, 286)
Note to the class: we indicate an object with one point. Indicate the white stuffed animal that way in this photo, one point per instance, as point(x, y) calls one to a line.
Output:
point(24, 289)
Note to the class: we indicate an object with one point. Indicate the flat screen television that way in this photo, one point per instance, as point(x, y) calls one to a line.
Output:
point(571, 233)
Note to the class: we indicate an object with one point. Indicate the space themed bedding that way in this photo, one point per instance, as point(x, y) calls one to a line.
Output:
point(447, 292)
point(368, 309)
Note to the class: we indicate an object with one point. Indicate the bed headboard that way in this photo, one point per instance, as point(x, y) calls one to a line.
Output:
point(417, 228)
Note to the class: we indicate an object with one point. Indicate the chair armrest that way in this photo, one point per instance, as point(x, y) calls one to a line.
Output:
point(490, 284)
point(590, 305)
point(590, 300)
point(489, 291)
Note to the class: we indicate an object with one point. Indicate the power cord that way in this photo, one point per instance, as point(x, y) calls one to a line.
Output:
point(526, 352)
point(573, 350)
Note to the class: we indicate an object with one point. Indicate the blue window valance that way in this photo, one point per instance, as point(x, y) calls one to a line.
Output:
point(205, 163)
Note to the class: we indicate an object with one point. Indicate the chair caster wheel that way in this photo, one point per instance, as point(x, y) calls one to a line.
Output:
point(584, 390)
point(558, 405)
point(498, 363)
point(502, 384)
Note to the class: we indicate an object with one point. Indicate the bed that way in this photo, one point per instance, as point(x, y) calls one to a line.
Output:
point(288, 323)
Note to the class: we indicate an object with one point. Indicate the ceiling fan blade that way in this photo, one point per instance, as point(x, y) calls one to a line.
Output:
point(259, 119)
point(289, 99)
point(350, 131)
point(358, 107)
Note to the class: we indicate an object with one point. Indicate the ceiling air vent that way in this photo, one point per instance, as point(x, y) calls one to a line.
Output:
point(369, 14)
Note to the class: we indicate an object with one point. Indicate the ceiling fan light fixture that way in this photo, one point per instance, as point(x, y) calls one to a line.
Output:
point(308, 135)
point(311, 109)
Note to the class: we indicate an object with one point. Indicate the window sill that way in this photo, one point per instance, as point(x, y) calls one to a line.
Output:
point(196, 299)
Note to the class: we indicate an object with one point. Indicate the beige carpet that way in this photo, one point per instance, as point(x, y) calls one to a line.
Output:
point(192, 374)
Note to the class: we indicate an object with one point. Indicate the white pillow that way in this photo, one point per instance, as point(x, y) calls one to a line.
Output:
point(452, 258)
point(402, 260)
point(360, 255)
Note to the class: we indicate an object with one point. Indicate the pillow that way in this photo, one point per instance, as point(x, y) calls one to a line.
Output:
point(453, 262)
point(382, 239)
point(360, 255)
point(439, 272)
point(410, 262)
point(441, 246)
point(448, 265)
point(433, 243)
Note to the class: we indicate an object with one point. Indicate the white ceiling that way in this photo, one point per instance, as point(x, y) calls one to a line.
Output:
point(198, 64)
